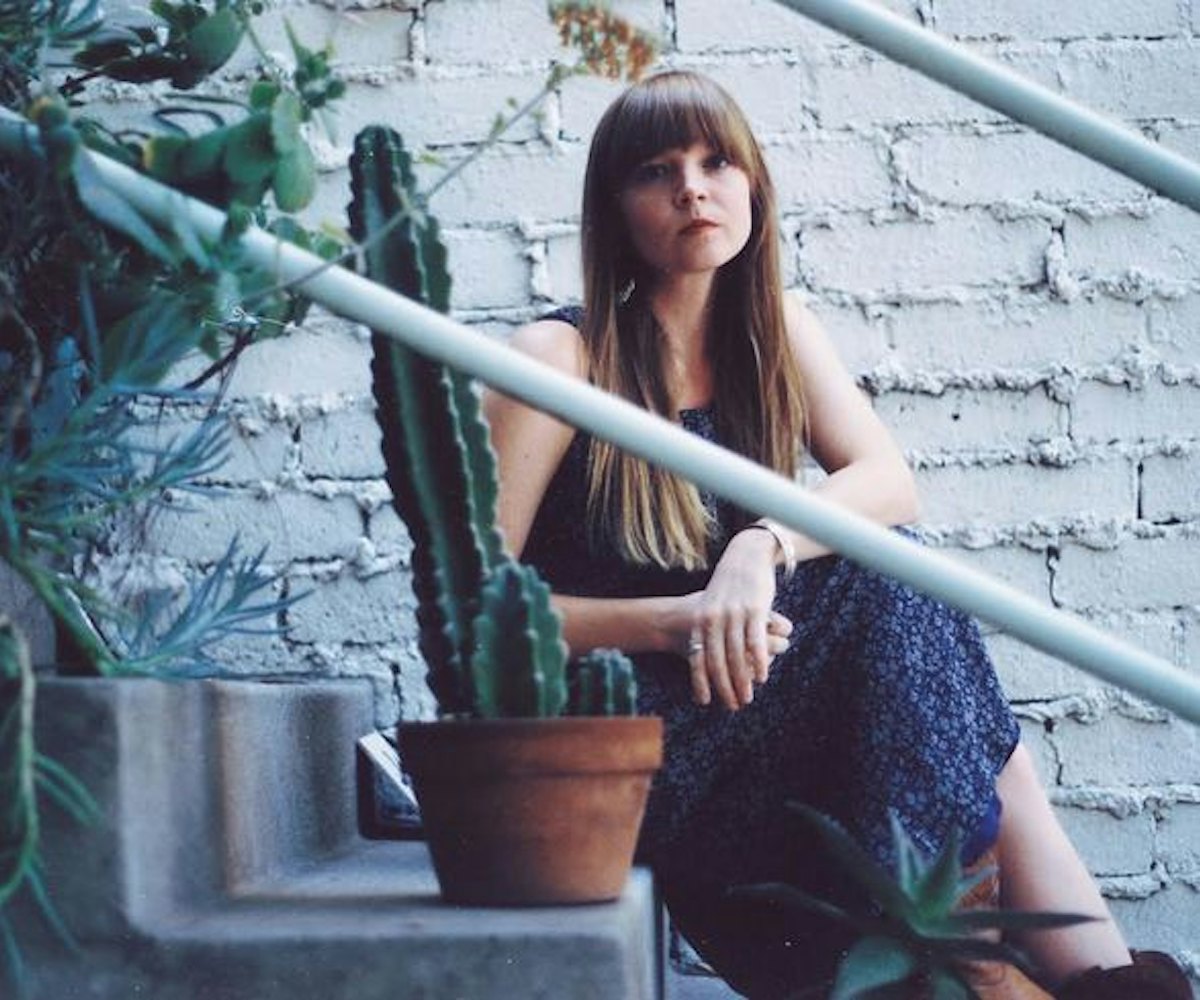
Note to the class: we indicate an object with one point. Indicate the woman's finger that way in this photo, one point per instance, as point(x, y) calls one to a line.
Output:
point(758, 653)
point(701, 692)
point(777, 624)
point(717, 666)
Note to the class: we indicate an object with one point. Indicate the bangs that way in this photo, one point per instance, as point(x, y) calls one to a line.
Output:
point(674, 111)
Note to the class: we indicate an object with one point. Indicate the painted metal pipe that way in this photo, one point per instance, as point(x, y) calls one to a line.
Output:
point(660, 441)
point(1065, 121)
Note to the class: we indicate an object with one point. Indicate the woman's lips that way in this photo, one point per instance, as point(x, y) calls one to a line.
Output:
point(698, 226)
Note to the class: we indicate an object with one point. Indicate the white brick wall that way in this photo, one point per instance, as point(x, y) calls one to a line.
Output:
point(1028, 322)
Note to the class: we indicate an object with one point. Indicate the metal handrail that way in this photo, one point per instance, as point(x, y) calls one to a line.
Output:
point(1095, 136)
point(658, 440)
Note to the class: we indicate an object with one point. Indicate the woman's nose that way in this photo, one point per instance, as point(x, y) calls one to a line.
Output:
point(691, 186)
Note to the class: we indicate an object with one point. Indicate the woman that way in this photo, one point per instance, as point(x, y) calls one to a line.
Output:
point(781, 672)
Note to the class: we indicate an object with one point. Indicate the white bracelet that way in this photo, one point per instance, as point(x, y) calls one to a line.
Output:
point(779, 533)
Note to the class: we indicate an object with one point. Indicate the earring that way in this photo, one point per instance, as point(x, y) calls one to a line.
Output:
point(626, 292)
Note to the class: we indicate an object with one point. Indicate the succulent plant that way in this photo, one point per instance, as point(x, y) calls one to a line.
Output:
point(917, 935)
point(602, 683)
point(491, 640)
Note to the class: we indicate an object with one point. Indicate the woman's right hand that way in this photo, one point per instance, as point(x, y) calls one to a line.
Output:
point(723, 664)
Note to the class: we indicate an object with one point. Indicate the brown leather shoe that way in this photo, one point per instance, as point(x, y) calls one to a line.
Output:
point(1152, 976)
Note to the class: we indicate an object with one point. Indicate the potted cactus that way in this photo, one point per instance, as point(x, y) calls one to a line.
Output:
point(533, 781)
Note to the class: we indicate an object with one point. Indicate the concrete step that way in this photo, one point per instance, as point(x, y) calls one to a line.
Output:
point(227, 866)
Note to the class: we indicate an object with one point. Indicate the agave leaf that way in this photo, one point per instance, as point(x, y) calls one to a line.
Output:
point(972, 921)
point(872, 963)
point(939, 885)
point(860, 865)
point(908, 861)
point(791, 897)
point(947, 985)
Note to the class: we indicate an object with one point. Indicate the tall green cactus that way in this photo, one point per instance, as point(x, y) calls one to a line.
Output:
point(519, 666)
point(492, 643)
point(602, 683)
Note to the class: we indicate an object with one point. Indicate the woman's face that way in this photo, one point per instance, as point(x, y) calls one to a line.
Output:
point(687, 210)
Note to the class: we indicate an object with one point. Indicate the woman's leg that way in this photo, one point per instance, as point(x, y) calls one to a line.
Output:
point(1040, 871)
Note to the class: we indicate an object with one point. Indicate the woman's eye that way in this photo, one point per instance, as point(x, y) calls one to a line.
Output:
point(716, 162)
point(648, 173)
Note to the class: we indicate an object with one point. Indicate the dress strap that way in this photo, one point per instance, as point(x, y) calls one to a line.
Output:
point(566, 314)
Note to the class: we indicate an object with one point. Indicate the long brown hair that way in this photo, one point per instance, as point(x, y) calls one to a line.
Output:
point(650, 515)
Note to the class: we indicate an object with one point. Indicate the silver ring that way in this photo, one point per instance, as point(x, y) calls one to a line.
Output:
point(695, 646)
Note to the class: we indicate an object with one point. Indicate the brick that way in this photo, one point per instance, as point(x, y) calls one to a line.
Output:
point(1179, 840)
point(350, 610)
point(432, 110)
point(1130, 79)
point(830, 172)
point(357, 37)
point(1015, 565)
point(1166, 921)
point(1121, 751)
point(776, 98)
point(1015, 494)
point(253, 655)
point(342, 445)
point(1164, 246)
point(564, 268)
point(856, 256)
point(256, 450)
point(704, 26)
point(582, 100)
point(964, 419)
point(1174, 328)
point(387, 532)
point(1171, 487)
point(876, 91)
point(1013, 333)
point(1029, 19)
point(1102, 412)
point(967, 169)
point(510, 186)
point(489, 268)
point(1029, 675)
point(1041, 751)
point(861, 342)
point(304, 362)
point(488, 31)
point(1139, 573)
point(1108, 845)
point(291, 525)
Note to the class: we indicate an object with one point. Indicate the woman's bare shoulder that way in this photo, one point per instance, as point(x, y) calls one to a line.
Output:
point(797, 315)
point(554, 342)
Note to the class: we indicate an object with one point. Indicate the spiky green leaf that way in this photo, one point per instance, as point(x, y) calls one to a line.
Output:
point(872, 963)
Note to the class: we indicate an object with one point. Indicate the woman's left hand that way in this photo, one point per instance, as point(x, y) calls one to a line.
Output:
point(735, 634)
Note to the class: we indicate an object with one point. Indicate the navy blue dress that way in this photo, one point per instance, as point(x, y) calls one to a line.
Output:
point(885, 703)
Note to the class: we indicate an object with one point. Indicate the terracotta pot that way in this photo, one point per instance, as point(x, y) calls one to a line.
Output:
point(527, 812)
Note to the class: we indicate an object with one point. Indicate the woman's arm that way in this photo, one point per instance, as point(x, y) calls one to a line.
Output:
point(866, 474)
point(530, 445)
point(866, 471)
